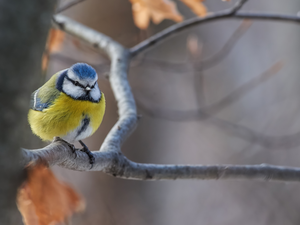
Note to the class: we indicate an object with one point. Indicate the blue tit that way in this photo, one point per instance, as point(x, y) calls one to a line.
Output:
point(69, 105)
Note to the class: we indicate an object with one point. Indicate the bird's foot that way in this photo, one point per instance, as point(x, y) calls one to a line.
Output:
point(88, 152)
point(70, 145)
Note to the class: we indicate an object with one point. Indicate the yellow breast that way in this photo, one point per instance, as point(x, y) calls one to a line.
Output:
point(64, 116)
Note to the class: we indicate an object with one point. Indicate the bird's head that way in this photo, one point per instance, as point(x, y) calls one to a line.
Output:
point(80, 82)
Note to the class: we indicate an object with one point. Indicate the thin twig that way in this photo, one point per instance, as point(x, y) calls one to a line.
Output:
point(68, 5)
point(240, 131)
point(203, 64)
point(228, 46)
point(238, 5)
point(176, 28)
point(243, 89)
point(207, 114)
point(209, 111)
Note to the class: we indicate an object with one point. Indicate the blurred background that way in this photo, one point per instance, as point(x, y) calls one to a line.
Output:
point(225, 92)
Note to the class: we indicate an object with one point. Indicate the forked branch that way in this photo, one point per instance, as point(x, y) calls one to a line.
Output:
point(109, 158)
point(116, 164)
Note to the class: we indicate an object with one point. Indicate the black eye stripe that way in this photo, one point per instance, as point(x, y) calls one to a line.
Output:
point(76, 83)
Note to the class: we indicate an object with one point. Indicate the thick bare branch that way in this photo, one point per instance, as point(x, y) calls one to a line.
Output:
point(60, 153)
point(118, 79)
point(116, 164)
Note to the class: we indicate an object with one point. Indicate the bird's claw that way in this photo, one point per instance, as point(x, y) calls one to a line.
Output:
point(88, 152)
point(73, 149)
point(90, 155)
point(83, 149)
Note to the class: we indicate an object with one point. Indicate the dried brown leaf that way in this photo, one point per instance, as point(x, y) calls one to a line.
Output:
point(54, 44)
point(157, 10)
point(141, 15)
point(45, 61)
point(43, 200)
point(55, 40)
point(196, 6)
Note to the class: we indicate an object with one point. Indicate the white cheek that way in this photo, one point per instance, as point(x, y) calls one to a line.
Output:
point(95, 94)
point(72, 90)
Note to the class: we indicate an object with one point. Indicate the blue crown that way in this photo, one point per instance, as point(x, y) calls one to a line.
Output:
point(84, 71)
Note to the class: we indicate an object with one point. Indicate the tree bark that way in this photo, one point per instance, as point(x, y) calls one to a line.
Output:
point(23, 32)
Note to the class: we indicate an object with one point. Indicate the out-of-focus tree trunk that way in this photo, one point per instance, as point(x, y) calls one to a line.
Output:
point(23, 32)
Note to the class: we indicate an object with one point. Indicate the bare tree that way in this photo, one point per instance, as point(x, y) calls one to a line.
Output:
point(110, 159)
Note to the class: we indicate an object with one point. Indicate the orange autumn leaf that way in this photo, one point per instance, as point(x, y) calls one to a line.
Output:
point(45, 61)
point(55, 40)
point(157, 10)
point(54, 43)
point(43, 200)
point(196, 6)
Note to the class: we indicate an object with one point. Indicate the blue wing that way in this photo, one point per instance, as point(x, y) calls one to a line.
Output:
point(37, 104)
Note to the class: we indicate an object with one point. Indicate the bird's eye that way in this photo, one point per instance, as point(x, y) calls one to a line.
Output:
point(94, 85)
point(76, 83)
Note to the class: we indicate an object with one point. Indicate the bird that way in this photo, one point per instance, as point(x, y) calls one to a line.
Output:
point(69, 106)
